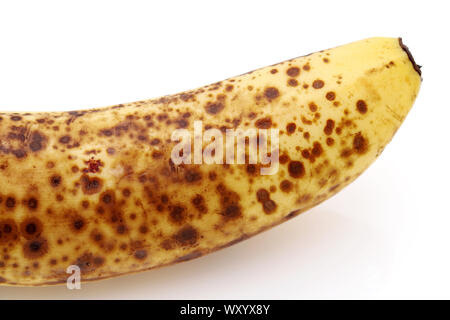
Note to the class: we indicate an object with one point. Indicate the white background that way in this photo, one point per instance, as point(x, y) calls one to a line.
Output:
point(387, 235)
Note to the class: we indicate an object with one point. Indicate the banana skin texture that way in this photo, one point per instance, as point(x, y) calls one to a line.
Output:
point(97, 189)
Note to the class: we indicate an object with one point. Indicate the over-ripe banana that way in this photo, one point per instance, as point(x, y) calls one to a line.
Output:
point(98, 188)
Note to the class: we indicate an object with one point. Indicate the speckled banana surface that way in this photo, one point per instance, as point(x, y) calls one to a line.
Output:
point(98, 188)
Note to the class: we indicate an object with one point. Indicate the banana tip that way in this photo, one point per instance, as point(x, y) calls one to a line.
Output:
point(411, 58)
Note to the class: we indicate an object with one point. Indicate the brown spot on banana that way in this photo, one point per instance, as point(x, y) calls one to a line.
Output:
point(98, 188)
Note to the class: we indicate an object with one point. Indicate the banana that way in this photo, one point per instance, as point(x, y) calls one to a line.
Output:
point(99, 189)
